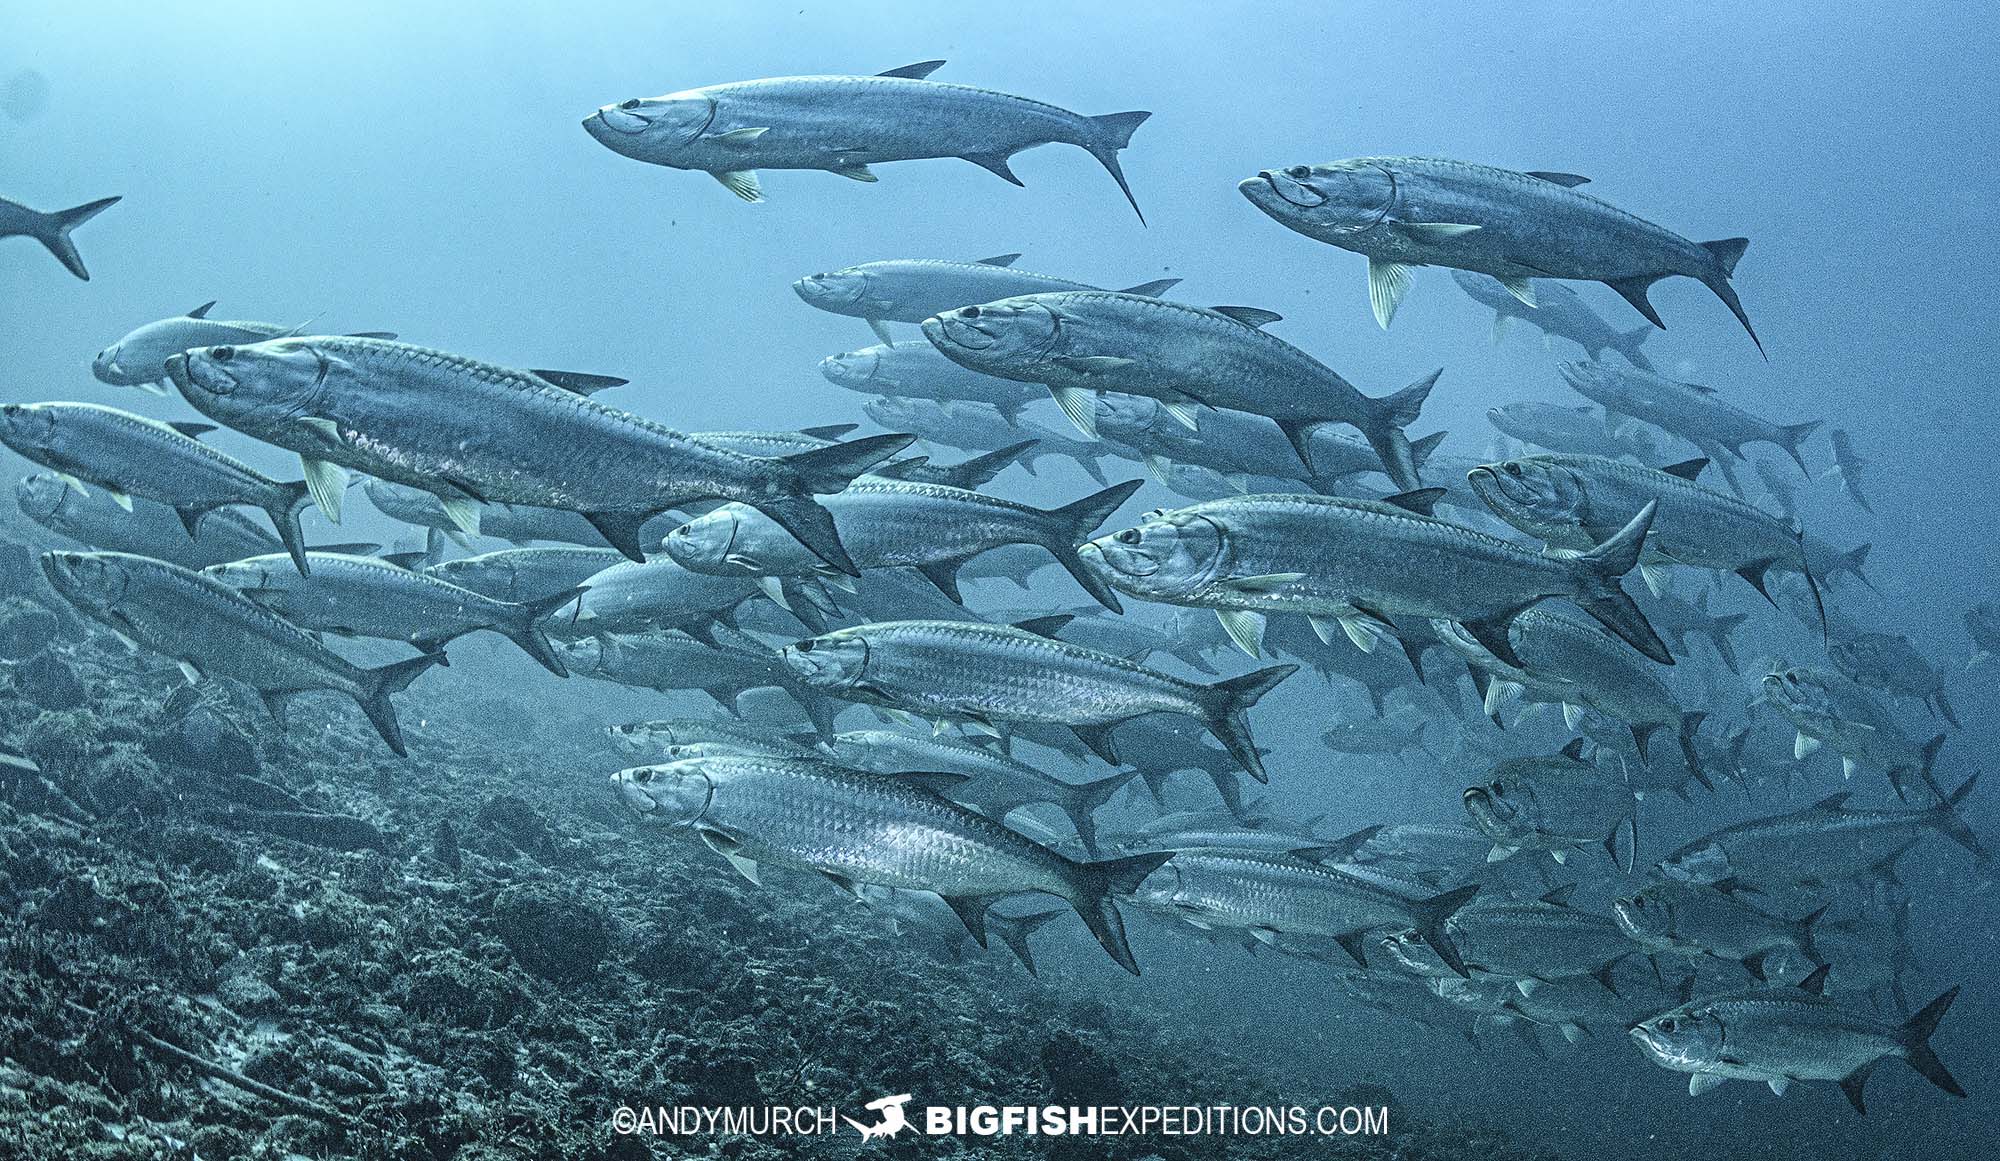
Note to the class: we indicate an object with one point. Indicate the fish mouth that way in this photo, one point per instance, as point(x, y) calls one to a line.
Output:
point(1285, 189)
point(957, 332)
point(612, 119)
point(1478, 800)
point(852, 369)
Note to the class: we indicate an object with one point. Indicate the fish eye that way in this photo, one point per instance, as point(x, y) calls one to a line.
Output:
point(643, 776)
point(1512, 469)
point(681, 531)
point(631, 104)
point(222, 354)
point(805, 646)
point(1668, 1025)
point(969, 312)
point(1298, 171)
point(1498, 789)
point(1129, 536)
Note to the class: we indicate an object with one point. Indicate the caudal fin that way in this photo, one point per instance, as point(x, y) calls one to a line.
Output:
point(1915, 1037)
point(52, 230)
point(1792, 437)
point(1627, 344)
point(1599, 594)
point(1429, 916)
point(284, 512)
point(1014, 931)
point(1113, 133)
point(1228, 703)
point(1080, 802)
point(1727, 252)
point(820, 471)
point(523, 628)
point(1947, 817)
point(1067, 527)
point(979, 471)
point(1384, 430)
point(1093, 889)
point(378, 684)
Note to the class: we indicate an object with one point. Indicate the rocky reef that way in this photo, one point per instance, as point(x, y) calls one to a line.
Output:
point(223, 940)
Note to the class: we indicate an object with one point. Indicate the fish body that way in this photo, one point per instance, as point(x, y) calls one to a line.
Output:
point(843, 124)
point(1775, 1036)
point(1556, 804)
point(1236, 444)
point(1271, 895)
point(526, 575)
point(1982, 624)
point(1826, 709)
point(151, 528)
point(365, 596)
point(979, 427)
point(1573, 502)
point(914, 369)
point(52, 228)
point(898, 523)
point(1849, 465)
point(910, 290)
point(1696, 919)
point(1002, 673)
point(1078, 343)
point(473, 433)
point(1892, 663)
point(658, 593)
point(667, 661)
point(1693, 412)
point(211, 629)
point(1535, 939)
point(139, 359)
point(1558, 312)
point(1358, 564)
point(1558, 428)
point(652, 739)
point(1827, 842)
point(857, 827)
point(131, 455)
point(1402, 212)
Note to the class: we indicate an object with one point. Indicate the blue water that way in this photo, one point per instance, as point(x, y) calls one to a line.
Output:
point(369, 165)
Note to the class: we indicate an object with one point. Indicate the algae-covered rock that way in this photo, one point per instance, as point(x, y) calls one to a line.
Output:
point(554, 934)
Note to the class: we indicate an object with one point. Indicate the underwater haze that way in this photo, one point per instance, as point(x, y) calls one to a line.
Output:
point(485, 948)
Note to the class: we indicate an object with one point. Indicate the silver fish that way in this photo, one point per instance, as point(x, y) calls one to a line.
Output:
point(1574, 501)
point(855, 827)
point(914, 369)
point(1558, 312)
point(364, 596)
point(1697, 919)
point(1236, 443)
point(209, 628)
point(151, 528)
point(652, 739)
point(1269, 896)
point(842, 124)
point(1555, 804)
point(130, 455)
point(1826, 842)
point(1777, 1036)
point(1582, 430)
point(1693, 412)
point(660, 593)
point(473, 433)
point(1402, 212)
point(895, 523)
point(1354, 566)
point(1826, 709)
point(139, 359)
point(910, 290)
point(1079, 343)
point(977, 427)
point(1892, 663)
point(725, 671)
point(1005, 673)
point(52, 229)
point(522, 575)
point(1849, 465)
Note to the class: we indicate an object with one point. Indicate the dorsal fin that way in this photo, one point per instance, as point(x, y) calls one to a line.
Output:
point(578, 381)
point(1567, 180)
point(413, 561)
point(1832, 801)
point(914, 72)
point(202, 310)
point(830, 431)
point(1574, 751)
point(1687, 469)
point(998, 260)
point(1815, 983)
point(1559, 897)
point(1249, 315)
point(191, 430)
point(1045, 626)
point(1422, 501)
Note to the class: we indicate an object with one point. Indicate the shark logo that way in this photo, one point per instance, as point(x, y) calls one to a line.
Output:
point(893, 1121)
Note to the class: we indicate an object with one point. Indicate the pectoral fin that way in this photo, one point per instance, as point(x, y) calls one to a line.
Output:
point(742, 183)
point(1245, 628)
point(328, 483)
point(1387, 283)
point(1080, 405)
